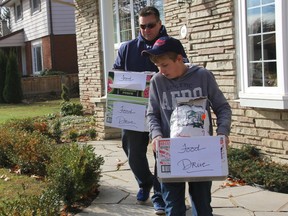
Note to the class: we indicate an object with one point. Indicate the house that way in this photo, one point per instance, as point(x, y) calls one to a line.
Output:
point(43, 33)
point(244, 44)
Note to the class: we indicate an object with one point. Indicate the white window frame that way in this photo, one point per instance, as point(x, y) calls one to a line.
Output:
point(35, 7)
point(34, 45)
point(18, 5)
point(265, 97)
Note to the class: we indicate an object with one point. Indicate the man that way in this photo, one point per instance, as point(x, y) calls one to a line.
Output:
point(135, 143)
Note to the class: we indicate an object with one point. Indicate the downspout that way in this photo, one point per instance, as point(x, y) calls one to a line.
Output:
point(51, 33)
point(106, 19)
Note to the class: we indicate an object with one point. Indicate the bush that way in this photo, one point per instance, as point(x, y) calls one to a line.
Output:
point(249, 165)
point(51, 73)
point(70, 108)
point(12, 92)
point(3, 61)
point(65, 93)
point(74, 172)
point(29, 151)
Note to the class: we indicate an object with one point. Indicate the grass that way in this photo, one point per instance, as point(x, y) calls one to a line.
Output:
point(20, 111)
point(12, 185)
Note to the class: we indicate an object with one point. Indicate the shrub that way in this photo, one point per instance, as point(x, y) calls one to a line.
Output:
point(65, 93)
point(3, 61)
point(73, 135)
point(51, 73)
point(55, 129)
point(74, 171)
point(26, 124)
point(70, 108)
point(29, 151)
point(12, 92)
point(255, 169)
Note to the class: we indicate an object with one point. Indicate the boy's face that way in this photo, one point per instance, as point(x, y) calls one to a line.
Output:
point(169, 68)
point(149, 27)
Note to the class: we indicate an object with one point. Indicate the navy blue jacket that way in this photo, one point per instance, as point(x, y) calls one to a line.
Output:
point(129, 56)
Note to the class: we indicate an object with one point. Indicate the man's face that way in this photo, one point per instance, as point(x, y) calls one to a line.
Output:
point(149, 27)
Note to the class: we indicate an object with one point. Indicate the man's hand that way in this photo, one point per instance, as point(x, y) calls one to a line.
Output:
point(227, 140)
point(154, 141)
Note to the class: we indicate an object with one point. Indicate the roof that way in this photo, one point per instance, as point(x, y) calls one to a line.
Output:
point(7, 3)
point(14, 39)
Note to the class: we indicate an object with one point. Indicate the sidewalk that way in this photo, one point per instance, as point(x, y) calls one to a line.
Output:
point(118, 190)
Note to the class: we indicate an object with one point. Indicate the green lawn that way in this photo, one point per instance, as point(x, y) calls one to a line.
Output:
point(20, 111)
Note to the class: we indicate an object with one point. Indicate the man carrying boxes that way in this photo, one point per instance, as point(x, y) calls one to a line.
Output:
point(135, 142)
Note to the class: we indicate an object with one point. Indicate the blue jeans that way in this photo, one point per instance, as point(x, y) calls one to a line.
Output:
point(135, 145)
point(157, 196)
point(174, 197)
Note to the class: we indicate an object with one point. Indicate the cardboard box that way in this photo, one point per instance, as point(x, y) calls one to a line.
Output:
point(201, 158)
point(129, 83)
point(127, 100)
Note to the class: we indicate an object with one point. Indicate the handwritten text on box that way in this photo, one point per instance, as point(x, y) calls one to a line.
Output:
point(189, 157)
point(129, 116)
point(134, 81)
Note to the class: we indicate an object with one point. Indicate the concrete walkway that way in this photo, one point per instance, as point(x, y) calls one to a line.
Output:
point(118, 190)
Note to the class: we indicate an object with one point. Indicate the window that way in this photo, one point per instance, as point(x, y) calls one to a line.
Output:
point(18, 11)
point(37, 57)
point(35, 5)
point(125, 14)
point(263, 49)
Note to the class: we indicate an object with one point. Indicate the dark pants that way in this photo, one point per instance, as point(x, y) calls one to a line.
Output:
point(174, 197)
point(135, 145)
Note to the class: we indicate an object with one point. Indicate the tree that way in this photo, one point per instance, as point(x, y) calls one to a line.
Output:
point(12, 92)
point(3, 61)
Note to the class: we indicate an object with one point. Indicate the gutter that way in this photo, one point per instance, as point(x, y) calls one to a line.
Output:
point(107, 37)
point(3, 3)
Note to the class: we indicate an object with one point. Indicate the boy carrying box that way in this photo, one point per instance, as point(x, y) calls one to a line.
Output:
point(174, 80)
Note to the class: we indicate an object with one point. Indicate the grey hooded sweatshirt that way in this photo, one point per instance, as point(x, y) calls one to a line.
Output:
point(196, 82)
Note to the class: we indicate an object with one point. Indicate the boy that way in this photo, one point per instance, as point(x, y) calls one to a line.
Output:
point(175, 79)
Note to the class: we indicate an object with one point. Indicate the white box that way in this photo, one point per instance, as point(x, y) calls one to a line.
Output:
point(127, 100)
point(201, 158)
point(126, 115)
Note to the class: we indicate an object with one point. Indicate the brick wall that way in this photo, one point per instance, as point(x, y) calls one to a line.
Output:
point(90, 58)
point(210, 42)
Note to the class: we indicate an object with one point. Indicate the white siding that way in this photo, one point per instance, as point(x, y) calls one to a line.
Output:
point(37, 25)
point(34, 25)
point(63, 17)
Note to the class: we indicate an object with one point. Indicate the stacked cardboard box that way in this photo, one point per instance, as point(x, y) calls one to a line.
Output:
point(127, 99)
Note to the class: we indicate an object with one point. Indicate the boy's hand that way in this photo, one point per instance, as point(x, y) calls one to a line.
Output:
point(154, 141)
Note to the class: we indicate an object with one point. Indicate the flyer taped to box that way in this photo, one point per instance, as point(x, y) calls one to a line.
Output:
point(199, 158)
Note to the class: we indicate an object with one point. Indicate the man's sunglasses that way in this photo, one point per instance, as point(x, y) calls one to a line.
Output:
point(149, 26)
